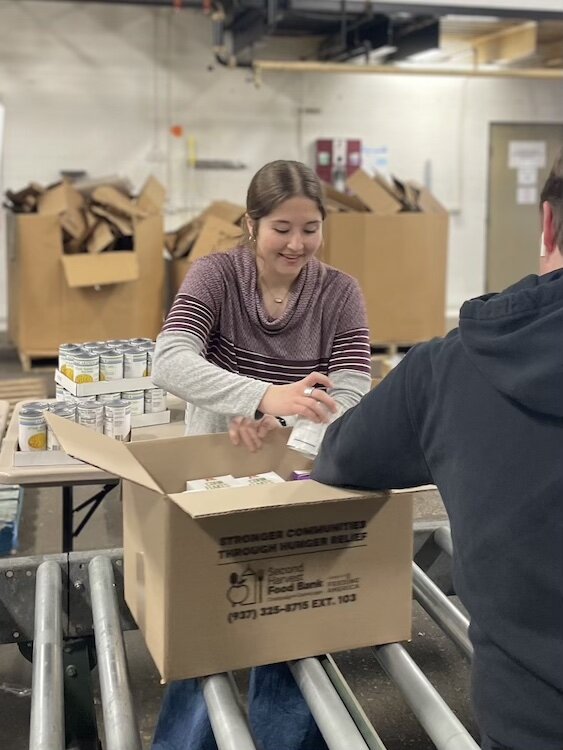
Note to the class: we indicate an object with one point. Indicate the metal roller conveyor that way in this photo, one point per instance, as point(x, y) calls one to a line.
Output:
point(70, 608)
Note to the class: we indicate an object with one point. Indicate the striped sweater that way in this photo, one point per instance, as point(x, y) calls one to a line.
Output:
point(220, 351)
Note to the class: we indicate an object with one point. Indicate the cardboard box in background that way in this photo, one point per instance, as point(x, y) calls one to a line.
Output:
point(238, 577)
point(217, 229)
point(399, 256)
point(55, 297)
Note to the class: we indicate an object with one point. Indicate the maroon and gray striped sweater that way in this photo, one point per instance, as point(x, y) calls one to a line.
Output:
point(220, 351)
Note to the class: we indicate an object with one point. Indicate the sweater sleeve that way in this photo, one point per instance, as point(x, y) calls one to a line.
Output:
point(375, 445)
point(179, 365)
point(349, 366)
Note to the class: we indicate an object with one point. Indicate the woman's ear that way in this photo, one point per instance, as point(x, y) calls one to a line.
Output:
point(249, 226)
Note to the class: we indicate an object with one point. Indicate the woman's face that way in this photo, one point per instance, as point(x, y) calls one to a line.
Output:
point(288, 237)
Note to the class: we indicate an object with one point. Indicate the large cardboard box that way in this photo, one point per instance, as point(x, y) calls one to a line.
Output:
point(399, 257)
point(238, 577)
point(56, 297)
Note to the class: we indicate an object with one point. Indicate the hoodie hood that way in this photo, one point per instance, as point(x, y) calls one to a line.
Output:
point(515, 339)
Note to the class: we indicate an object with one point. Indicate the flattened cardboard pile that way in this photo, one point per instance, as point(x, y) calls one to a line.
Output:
point(216, 229)
point(94, 216)
point(85, 262)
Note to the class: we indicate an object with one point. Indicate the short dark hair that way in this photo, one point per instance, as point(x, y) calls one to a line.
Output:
point(279, 181)
point(553, 193)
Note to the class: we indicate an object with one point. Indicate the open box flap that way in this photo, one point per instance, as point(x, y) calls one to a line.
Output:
point(372, 192)
point(101, 451)
point(152, 196)
point(243, 499)
point(97, 270)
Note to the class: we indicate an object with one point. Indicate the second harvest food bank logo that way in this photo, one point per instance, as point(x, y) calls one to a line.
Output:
point(246, 587)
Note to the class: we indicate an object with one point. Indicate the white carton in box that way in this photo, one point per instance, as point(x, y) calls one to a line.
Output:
point(231, 578)
point(150, 419)
point(102, 386)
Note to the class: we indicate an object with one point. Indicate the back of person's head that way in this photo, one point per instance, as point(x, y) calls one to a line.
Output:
point(279, 181)
point(553, 193)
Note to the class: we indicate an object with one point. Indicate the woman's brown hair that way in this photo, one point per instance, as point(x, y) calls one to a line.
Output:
point(275, 183)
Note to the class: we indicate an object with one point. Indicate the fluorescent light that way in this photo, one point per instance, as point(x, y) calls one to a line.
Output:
point(454, 17)
point(434, 54)
point(383, 51)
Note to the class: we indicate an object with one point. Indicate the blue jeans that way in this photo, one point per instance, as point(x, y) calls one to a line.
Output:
point(279, 717)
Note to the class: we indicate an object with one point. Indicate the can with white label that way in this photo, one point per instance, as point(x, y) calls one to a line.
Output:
point(32, 430)
point(111, 364)
point(66, 361)
point(155, 400)
point(134, 362)
point(137, 401)
point(117, 419)
point(59, 392)
point(91, 414)
point(148, 348)
point(86, 366)
point(66, 411)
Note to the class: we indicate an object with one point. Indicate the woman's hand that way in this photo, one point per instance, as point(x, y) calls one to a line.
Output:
point(300, 398)
point(251, 432)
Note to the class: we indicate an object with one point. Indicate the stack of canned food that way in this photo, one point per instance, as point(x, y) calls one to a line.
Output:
point(112, 418)
point(108, 413)
point(103, 361)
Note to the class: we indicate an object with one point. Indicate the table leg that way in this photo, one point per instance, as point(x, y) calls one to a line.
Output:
point(68, 521)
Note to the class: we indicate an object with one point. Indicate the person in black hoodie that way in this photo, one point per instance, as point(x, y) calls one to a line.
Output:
point(479, 413)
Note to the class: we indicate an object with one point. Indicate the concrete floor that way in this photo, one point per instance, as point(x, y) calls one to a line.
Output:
point(40, 534)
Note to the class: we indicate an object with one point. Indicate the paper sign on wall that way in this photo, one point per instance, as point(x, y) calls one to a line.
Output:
point(375, 159)
point(527, 154)
point(527, 177)
point(527, 196)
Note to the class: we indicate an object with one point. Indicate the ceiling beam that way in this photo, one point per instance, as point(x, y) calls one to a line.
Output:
point(531, 9)
point(262, 66)
point(506, 45)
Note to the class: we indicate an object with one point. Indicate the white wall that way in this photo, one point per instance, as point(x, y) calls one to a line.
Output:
point(97, 87)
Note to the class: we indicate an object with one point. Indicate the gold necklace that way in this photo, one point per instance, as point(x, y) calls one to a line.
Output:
point(277, 300)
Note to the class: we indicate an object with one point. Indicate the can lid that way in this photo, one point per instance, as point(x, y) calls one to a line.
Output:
point(64, 409)
point(85, 405)
point(131, 349)
point(38, 405)
point(30, 413)
point(132, 394)
point(118, 402)
point(85, 354)
point(146, 346)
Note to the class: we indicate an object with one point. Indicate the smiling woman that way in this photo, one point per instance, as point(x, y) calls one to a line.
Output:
point(249, 336)
point(285, 241)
